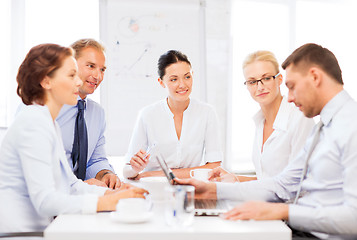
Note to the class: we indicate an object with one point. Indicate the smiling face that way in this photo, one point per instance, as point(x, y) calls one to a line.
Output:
point(265, 93)
point(302, 91)
point(91, 68)
point(64, 84)
point(178, 81)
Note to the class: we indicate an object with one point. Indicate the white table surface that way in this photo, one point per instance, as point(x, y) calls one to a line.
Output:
point(101, 226)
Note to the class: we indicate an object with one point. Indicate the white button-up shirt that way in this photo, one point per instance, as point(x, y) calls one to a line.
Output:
point(199, 142)
point(291, 129)
point(329, 204)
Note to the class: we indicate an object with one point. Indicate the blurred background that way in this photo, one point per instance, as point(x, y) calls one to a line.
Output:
point(216, 35)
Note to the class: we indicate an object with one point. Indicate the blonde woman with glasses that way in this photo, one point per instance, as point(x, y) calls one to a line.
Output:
point(281, 129)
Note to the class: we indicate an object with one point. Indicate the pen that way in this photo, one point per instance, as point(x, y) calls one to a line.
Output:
point(148, 151)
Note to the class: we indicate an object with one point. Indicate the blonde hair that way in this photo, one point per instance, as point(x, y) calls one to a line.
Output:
point(81, 44)
point(266, 56)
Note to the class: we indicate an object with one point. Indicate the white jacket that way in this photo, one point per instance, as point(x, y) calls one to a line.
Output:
point(36, 182)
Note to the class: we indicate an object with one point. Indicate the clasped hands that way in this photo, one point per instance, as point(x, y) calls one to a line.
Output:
point(105, 178)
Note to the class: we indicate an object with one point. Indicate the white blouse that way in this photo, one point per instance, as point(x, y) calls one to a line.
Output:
point(199, 142)
point(291, 129)
point(36, 181)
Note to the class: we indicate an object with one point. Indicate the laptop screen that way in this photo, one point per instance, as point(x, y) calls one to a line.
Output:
point(203, 207)
point(168, 172)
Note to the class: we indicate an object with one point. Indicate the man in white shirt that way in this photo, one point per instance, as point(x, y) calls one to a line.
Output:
point(327, 206)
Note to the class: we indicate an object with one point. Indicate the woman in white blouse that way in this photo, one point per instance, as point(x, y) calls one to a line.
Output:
point(183, 130)
point(36, 182)
point(281, 129)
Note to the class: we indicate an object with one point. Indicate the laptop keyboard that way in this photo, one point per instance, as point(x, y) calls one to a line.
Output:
point(210, 204)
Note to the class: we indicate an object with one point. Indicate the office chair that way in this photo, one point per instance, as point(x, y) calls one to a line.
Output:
point(21, 234)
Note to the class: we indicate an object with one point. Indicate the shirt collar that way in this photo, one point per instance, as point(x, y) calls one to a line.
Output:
point(167, 108)
point(333, 106)
point(258, 117)
point(85, 102)
point(282, 118)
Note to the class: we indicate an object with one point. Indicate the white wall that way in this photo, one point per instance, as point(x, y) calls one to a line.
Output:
point(200, 29)
point(218, 57)
point(207, 46)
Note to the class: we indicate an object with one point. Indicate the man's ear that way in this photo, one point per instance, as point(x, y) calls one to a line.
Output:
point(316, 76)
point(46, 83)
point(161, 82)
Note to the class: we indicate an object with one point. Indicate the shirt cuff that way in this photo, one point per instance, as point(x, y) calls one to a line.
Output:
point(225, 190)
point(99, 191)
point(213, 157)
point(129, 172)
point(92, 170)
point(297, 216)
point(90, 203)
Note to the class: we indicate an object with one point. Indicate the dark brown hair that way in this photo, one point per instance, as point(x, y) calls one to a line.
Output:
point(168, 58)
point(41, 61)
point(313, 54)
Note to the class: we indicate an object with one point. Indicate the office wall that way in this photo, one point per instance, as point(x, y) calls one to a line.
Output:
point(218, 57)
point(136, 33)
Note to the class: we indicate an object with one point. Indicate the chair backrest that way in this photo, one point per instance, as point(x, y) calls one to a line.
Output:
point(21, 234)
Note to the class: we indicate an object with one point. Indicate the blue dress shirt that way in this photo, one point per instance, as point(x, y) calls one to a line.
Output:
point(95, 120)
point(329, 204)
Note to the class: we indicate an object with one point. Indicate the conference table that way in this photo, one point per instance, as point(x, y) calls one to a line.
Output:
point(103, 226)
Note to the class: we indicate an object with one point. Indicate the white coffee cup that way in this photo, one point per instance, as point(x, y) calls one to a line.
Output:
point(155, 186)
point(200, 173)
point(133, 206)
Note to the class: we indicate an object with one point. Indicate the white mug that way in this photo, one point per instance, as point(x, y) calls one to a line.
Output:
point(200, 173)
point(155, 186)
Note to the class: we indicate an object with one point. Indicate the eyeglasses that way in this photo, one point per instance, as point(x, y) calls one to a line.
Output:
point(252, 83)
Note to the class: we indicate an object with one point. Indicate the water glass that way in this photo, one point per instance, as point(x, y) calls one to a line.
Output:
point(180, 206)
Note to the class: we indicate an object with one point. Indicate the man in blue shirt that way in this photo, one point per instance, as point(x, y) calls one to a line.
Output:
point(91, 67)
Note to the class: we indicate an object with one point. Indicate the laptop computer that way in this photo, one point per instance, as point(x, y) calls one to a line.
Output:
point(203, 207)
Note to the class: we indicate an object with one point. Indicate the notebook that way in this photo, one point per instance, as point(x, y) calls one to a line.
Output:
point(203, 207)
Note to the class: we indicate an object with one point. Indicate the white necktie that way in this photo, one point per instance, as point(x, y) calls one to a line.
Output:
point(319, 125)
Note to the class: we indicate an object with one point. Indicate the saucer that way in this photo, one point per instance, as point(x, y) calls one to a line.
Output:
point(116, 216)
